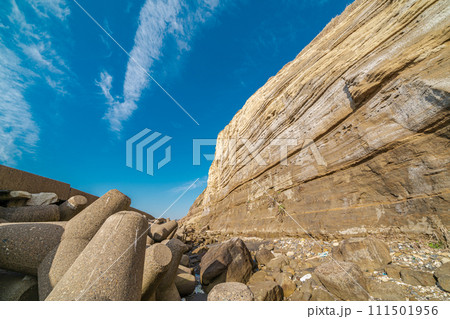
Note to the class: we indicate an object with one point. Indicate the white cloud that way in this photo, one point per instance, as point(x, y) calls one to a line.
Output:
point(27, 54)
point(18, 131)
point(46, 8)
point(33, 39)
point(201, 183)
point(157, 21)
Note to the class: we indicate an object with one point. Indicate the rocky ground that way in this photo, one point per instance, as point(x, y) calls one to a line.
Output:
point(69, 250)
point(294, 260)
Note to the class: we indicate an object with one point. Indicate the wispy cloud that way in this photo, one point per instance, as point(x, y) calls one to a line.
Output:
point(48, 8)
point(27, 54)
point(158, 20)
point(201, 183)
point(18, 132)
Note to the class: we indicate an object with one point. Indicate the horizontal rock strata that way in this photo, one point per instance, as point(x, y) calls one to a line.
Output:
point(364, 112)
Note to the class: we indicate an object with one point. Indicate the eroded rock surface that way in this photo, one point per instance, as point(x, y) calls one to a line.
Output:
point(371, 92)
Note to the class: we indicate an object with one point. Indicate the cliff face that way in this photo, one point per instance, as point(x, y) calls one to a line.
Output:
point(370, 96)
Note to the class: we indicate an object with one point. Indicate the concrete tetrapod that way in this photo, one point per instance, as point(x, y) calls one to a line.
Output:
point(159, 232)
point(79, 231)
point(72, 207)
point(17, 287)
point(23, 246)
point(30, 214)
point(112, 264)
point(167, 289)
point(157, 260)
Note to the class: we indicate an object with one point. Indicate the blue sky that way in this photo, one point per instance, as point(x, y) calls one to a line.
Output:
point(70, 97)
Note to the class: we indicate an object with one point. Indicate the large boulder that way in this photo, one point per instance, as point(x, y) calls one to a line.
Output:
point(266, 291)
point(230, 291)
point(320, 294)
point(112, 264)
point(343, 279)
point(277, 263)
point(417, 278)
point(286, 282)
point(263, 256)
point(387, 291)
point(23, 246)
point(368, 253)
point(260, 276)
point(227, 262)
point(185, 284)
point(443, 276)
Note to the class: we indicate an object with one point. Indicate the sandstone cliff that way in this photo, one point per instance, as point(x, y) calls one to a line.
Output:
point(372, 93)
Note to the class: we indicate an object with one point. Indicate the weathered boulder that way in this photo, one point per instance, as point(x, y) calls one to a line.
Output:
point(227, 262)
point(444, 282)
point(183, 269)
point(112, 264)
point(444, 270)
point(160, 232)
point(368, 253)
point(260, 276)
point(167, 291)
point(266, 291)
point(343, 279)
point(30, 214)
point(230, 291)
point(42, 199)
point(263, 256)
point(185, 284)
point(276, 264)
point(386, 291)
point(72, 207)
point(78, 232)
point(17, 287)
point(300, 296)
point(157, 260)
point(184, 260)
point(417, 278)
point(285, 281)
point(23, 246)
point(443, 276)
point(393, 270)
point(320, 294)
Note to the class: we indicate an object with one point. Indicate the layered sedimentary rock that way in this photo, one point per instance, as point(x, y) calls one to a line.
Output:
point(363, 115)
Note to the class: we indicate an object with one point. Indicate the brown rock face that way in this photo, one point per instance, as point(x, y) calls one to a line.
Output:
point(230, 261)
point(371, 92)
